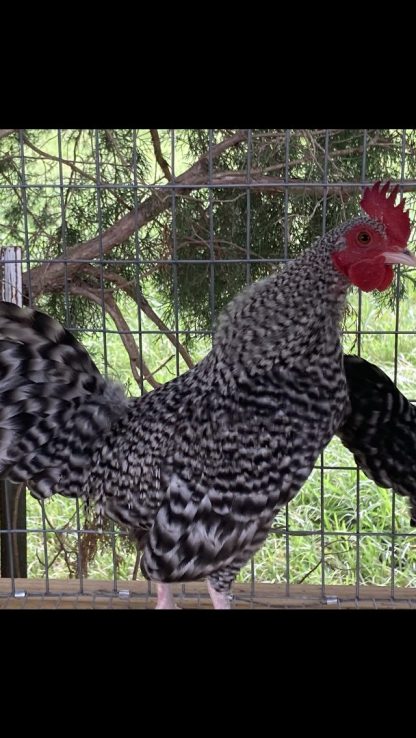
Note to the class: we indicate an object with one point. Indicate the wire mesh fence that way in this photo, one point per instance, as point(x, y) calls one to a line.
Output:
point(136, 240)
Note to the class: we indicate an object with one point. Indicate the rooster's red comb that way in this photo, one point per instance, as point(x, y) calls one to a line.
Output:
point(379, 205)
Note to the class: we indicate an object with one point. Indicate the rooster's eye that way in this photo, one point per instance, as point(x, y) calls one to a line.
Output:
point(364, 237)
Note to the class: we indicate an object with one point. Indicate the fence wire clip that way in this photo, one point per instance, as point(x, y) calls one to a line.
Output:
point(124, 593)
point(20, 593)
point(331, 600)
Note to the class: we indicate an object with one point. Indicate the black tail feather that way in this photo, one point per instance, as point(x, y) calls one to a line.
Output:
point(380, 429)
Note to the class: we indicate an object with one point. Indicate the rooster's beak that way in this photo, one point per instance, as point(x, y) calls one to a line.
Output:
point(400, 257)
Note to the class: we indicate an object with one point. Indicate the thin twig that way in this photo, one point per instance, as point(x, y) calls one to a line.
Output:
point(60, 537)
point(73, 167)
point(157, 148)
point(131, 289)
point(112, 139)
point(138, 366)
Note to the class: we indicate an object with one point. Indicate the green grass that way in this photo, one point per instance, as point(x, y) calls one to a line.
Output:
point(337, 554)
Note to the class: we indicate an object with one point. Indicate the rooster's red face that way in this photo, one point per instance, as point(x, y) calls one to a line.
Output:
point(369, 248)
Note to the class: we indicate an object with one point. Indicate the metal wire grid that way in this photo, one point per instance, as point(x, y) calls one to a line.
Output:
point(248, 186)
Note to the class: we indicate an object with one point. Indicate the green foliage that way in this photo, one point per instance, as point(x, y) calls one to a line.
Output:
point(61, 205)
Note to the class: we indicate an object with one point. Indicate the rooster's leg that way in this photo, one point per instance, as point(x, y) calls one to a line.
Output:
point(165, 599)
point(220, 600)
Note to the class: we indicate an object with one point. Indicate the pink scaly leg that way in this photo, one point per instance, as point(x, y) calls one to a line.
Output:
point(220, 600)
point(165, 599)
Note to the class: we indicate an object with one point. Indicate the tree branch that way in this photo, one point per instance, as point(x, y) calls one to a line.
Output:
point(158, 153)
point(137, 362)
point(7, 131)
point(295, 186)
point(135, 294)
point(53, 273)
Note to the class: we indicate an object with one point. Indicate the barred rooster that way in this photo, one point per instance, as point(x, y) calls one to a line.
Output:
point(380, 429)
point(198, 468)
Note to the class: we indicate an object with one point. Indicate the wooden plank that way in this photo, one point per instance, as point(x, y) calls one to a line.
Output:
point(99, 595)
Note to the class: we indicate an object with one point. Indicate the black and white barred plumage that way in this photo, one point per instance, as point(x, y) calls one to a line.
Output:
point(197, 468)
point(54, 403)
point(204, 462)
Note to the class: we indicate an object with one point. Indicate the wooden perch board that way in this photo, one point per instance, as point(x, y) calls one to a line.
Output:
point(99, 595)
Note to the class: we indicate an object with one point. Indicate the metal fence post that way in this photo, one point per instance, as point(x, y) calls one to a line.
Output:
point(13, 548)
